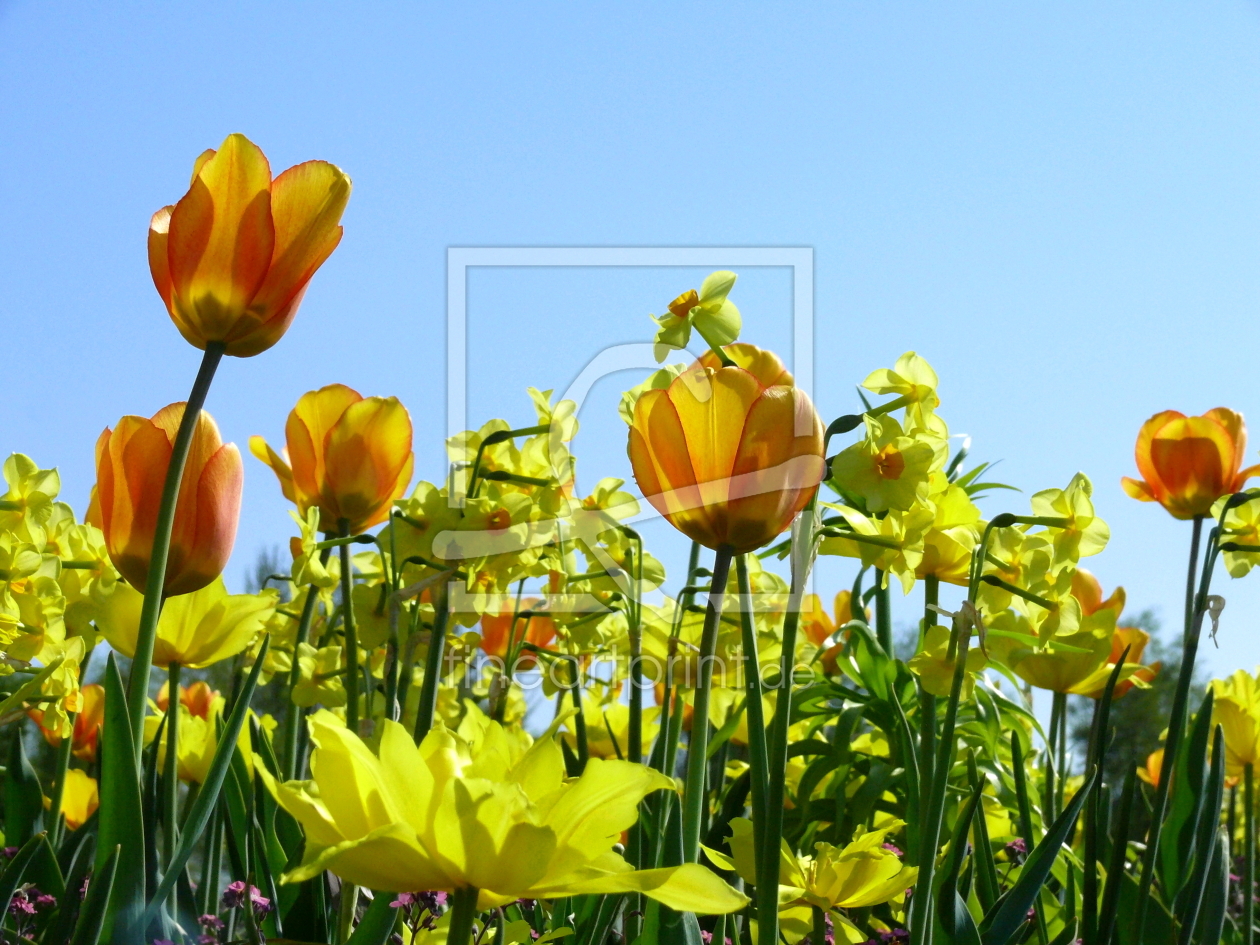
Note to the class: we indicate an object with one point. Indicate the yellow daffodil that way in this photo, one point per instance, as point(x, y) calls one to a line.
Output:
point(453, 814)
point(1236, 708)
point(894, 543)
point(864, 873)
point(887, 469)
point(935, 667)
point(1083, 533)
point(1241, 532)
point(321, 680)
point(195, 630)
point(914, 382)
point(29, 498)
point(709, 311)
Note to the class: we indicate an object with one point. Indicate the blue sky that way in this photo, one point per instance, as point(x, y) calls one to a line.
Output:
point(1057, 205)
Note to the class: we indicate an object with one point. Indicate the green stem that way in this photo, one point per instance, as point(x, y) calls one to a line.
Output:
point(883, 613)
point(756, 713)
point(294, 713)
point(1177, 720)
point(579, 720)
point(698, 747)
point(768, 874)
point(927, 702)
point(59, 784)
point(351, 635)
point(345, 916)
point(1060, 760)
point(155, 583)
point(463, 912)
point(432, 665)
point(921, 901)
point(1249, 855)
point(723, 358)
point(170, 776)
point(820, 927)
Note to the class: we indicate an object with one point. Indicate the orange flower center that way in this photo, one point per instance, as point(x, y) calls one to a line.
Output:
point(499, 518)
point(889, 463)
point(682, 306)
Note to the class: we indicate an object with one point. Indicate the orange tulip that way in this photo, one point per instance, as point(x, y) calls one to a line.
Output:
point(1187, 463)
point(539, 629)
point(233, 258)
point(131, 463)
point(87, 724)
point(728, 455)
point(198, 698)
point(1154, 761)
point(348, 455)
point(1088, 593)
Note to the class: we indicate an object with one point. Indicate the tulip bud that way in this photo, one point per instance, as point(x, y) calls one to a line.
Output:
point(131, 462)
point(347, 455)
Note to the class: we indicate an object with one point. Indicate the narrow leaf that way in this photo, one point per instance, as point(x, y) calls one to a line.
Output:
point(92, 912)
point(121, 812)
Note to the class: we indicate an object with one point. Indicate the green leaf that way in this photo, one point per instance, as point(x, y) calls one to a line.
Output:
point(1216, 895)
point(78, 869)
point(23, 797)
point(93, 911)
point(1068, 935)
point(377, 922)
point(209, 792)
point(1008, 914)
point(1191, 898)
point(122, 814)
point(1176, 842)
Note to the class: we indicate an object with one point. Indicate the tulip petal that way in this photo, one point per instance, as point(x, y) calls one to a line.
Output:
point(305, 431)
point(221, 240)
point(307, 202)
point(662, 466)
point(364, 454)
point(1142, 451)
point(159, 265)
point(387, 858)
point(261, 450)
point(139, 453)
point(687, 888)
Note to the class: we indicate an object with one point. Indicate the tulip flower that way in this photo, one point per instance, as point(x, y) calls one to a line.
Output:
point(195, 630)
point(347, 455)
point(459, 814)
point(1187, 463)
point(79, 799)
point(728, 455)
point(198, 698)
point(87, 723)
point(131, 462)
point(1154, 764)
point(233, 258)
point(198, 740)
point(818, 625)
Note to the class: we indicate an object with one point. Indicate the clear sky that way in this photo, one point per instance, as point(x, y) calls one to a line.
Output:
point(1056, 204)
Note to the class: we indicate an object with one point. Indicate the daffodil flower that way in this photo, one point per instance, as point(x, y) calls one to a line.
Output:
point(709, 311)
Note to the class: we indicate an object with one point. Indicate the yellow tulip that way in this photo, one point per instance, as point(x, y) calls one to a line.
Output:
point(728, 455)
point(195, 630)
point(233, 258)
point(346, 454)
point(199, 739)
point(458, 814)
point(79, 799)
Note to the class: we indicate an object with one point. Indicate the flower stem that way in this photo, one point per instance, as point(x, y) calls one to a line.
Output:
point(756, 717)
point(142, 661)
point(698, 748)
point(59, 784)
point(883, 613)
point(463, 912)
point(170, 775)
point(345, 917)
point(351, 633)
point(1177, 719)
point(293, 712)
point(1249, 854)
point(768, 873)
point(432, 666)
point(927, 702)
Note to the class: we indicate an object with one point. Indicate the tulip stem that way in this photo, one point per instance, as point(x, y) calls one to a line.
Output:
point(155, 582)
point(351, 633)
point(1249, 854)
point(927, 701)
point(777, 748)
point(170, 775)
point(463, 912)
point(1195, 608)
point(883, 613)
point(756, 712)
point(698, 748)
